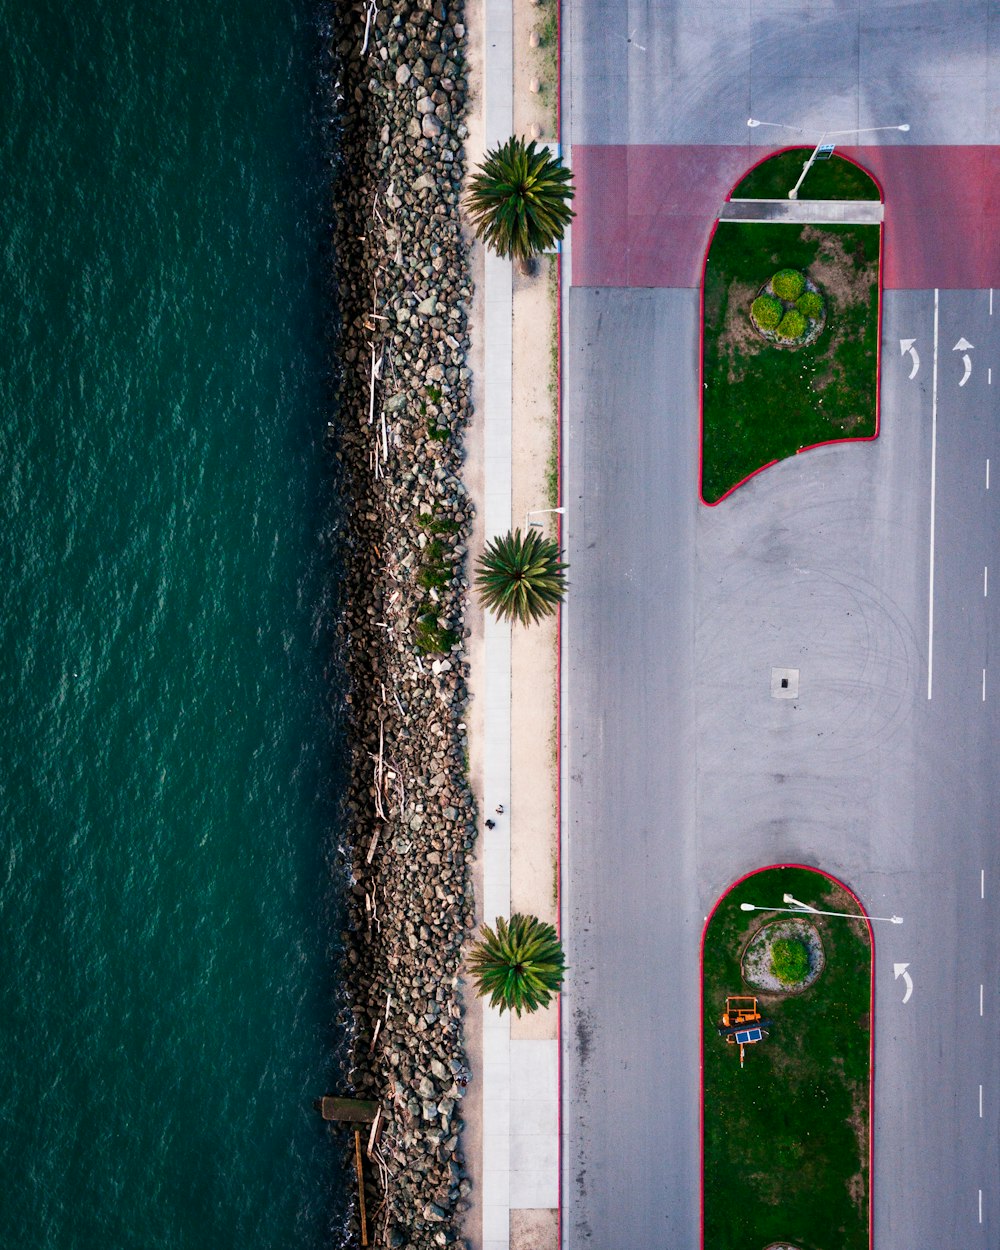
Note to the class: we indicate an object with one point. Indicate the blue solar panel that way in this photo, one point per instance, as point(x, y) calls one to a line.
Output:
point(748, 1035)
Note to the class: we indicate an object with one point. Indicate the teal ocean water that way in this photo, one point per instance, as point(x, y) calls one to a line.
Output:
point(168, 705)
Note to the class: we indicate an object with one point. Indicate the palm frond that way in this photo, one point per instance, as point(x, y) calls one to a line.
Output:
point(520, 964)
point(521, 579)
point(519, 199)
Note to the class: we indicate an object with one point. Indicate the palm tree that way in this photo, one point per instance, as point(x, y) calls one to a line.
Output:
point(519, 199)
point(522, 579)
point(520, 966)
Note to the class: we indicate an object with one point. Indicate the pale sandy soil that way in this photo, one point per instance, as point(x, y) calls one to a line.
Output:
point(538, 64)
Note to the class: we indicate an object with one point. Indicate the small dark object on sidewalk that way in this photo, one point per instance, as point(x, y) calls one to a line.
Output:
point(500, 808)
point(491, 824)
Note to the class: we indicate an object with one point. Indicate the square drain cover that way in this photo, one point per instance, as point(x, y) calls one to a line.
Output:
point(784, 683)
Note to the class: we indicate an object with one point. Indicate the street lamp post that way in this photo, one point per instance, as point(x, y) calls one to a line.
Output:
point(537, 512)
point(787, 898)
point(812, 911)
point(827, 134)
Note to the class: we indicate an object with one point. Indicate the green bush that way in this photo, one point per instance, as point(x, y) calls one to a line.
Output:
point(793, 326)
point(809, 304)
point(788, 284)
point(789, 960)
point(430, 636)
point(766, 312)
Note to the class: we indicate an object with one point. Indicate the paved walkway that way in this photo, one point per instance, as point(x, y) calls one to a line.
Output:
point(847, 212)
point(520, 1077)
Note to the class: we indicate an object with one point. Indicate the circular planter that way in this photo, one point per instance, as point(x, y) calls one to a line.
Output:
point(814, 326)
point(755, 963)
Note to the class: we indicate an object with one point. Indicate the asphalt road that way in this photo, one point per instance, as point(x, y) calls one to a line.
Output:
point(681, 772)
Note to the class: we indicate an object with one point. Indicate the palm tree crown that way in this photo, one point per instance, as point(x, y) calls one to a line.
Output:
point(519, 199)
point(522, 579)
point(520, 966)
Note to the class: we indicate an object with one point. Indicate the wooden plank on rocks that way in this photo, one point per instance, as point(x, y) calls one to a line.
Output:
point(348, 1110)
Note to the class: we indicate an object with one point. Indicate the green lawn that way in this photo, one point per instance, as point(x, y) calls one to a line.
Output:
point(835, 179)
point(786, 1138)
point(762, 402)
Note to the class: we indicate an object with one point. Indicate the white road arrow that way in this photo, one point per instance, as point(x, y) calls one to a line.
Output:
point(899, 970)
point(906, 345)
point(963, 345)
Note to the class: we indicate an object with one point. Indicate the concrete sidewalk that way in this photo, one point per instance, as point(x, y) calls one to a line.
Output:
point(847, 212)
point(520, 1172)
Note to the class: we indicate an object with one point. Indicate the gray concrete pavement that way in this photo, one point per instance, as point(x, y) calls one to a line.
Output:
point(630, 921)
point(691, 72)
point(841, 212)
point(685, 773)
point(682, 772)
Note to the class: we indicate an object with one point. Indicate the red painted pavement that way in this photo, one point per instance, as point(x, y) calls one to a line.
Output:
point(645, 212)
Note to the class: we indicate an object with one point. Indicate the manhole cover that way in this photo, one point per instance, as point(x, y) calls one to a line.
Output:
point(784, 683)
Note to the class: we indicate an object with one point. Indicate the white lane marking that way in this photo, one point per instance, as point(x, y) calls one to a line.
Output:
point(930, 597)
point(991, 301)
point(986, 581)
point(984, 685)
point(980, 1206)
point(987, 472)
point(980, 1000)
point(982, 883)
point(980, 1102)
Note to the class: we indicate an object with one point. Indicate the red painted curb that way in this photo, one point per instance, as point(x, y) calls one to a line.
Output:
point(559, 534)
point(871, 1033)
point(559, 528)
point(829, 442)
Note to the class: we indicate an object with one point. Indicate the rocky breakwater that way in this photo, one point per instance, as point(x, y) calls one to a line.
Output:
point(404, 290)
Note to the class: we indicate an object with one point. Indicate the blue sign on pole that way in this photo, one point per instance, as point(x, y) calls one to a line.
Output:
point(824, 151)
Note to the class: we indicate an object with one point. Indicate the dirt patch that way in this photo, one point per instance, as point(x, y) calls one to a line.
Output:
point(738, 336)
point(843, 275)
point(756, 961)
point(858, 1120)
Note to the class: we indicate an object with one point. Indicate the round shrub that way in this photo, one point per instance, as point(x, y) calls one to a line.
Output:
point(788, 284)
point(766, 312)
point(809, 304)
point(789, 960)
point(793, 326)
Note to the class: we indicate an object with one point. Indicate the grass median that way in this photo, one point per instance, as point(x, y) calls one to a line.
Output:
point(762, 402)
point(786, 1137)
point(835, 179)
